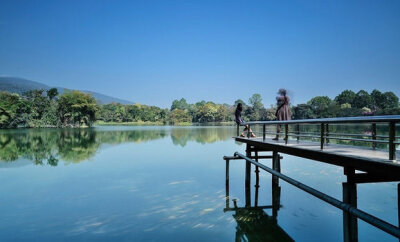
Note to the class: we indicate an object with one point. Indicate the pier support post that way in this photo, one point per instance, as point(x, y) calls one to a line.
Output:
point(276, 189)
point(276, 200)
point(276, 165)
point(257, 185)
point(227, 183)
point(350, 225)
point(248, 177)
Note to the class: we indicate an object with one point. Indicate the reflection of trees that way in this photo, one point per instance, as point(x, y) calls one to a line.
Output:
point(76, 145)
point(202, 135)
point(35, 146)
point(48, 146)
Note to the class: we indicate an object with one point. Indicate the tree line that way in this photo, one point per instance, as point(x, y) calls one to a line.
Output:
point(348, 104)
point(46, 108)
point(40, 108)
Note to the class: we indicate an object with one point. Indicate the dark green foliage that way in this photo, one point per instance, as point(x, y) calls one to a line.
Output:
point(240, 101)
point(179, 116)
point(363, 99)
point(303, 111)
point(349, 104)
point(319, 105)
point(76, 108)
point(347, 96)
point(11, 108)
point(52, 93)
point(179, 104)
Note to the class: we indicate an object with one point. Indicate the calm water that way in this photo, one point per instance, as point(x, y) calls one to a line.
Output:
point(161, 184)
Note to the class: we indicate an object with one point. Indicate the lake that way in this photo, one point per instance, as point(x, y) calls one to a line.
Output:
point(163, 184)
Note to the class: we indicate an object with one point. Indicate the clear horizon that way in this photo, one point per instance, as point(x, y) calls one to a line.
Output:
point(157, 51)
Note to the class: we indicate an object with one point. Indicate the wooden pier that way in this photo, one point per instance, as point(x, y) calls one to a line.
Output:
point(360, 164)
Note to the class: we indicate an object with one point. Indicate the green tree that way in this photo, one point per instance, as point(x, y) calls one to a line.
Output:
point(391, 100)
point(256, 101)
point(363, 99)
point(207, 113)
point(347, 96)
point(180, 116)
point(179, 104)
point(11, 106)
point(303, 111)
point(239, 101)
point(77, 108)
point(52, 93)
point(319, 105)
point(38, 103)
point(378, 99)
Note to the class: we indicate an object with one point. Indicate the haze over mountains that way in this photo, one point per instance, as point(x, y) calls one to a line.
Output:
point(20, 85)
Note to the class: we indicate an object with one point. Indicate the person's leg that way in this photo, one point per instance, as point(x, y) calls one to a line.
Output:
point(278, 129)
point(252, 134)
point(245, 128)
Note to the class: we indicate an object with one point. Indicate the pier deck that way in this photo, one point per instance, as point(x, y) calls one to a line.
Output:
point(360, 158)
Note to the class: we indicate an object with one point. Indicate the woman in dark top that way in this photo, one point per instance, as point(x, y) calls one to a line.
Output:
point(239, 120)
point(283, 111)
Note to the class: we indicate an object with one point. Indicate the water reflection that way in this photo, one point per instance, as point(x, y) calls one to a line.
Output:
point(49, 146)
point(253, 222)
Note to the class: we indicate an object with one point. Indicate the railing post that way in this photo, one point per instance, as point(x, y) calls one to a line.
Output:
point(298, 131)
point(286, 133)
point(322, 135)
point(248, 177)
point(227, 173)
point(227, 183)
point(257, 185)
point(374, 135)
point(264, 132)
point(392, 136)
point(276, 165)
point(327, 133)
point(237, 130)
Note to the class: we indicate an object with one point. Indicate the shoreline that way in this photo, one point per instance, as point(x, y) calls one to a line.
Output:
point(101, 123)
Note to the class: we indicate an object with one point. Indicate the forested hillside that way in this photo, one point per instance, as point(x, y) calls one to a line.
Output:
point(20, 86)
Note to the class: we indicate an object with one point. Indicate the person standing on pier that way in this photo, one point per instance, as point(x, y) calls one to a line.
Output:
point(283, 111)
point(239, 120)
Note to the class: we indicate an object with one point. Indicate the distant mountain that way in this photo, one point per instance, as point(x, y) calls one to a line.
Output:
point(20, 85)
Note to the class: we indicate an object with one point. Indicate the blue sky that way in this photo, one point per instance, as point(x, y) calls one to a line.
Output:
point(153, 52)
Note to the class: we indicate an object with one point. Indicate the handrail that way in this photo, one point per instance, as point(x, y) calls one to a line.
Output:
point(374, 221)
point(325, 136)
point(363, 119)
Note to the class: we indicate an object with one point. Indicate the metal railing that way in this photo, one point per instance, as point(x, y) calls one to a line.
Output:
point(324, 134)
point(383, 225)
